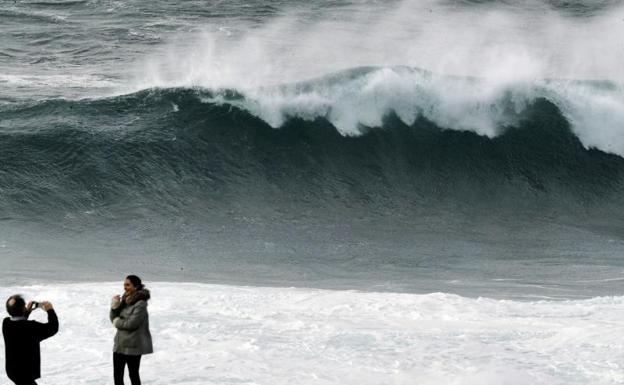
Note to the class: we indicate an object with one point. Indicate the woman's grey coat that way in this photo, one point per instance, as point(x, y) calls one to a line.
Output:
point(132, 322)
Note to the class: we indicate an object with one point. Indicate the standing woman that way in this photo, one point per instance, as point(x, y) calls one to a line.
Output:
point(133, 339)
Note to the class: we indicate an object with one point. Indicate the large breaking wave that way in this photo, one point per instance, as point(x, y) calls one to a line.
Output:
point(365, 144)
point(377, 137)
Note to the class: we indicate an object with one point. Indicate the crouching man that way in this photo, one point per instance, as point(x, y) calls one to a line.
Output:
point(22, 337)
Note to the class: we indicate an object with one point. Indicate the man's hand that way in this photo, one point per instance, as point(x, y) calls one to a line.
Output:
point(47, 306)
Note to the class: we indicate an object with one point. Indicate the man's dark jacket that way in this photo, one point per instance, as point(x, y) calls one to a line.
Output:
point(21, 342)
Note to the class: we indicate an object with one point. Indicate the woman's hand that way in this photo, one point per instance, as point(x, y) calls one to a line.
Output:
point(116, 302)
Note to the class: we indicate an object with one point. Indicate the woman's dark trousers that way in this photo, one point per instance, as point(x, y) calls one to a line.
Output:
point(119, 363)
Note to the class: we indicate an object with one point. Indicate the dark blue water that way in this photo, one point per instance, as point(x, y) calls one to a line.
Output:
point(361, 145)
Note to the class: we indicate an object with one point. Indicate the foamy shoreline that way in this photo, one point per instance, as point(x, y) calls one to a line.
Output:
point(217, 334)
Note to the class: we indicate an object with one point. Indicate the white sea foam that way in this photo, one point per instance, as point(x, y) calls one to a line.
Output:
point(57, 80)
point(211, 334)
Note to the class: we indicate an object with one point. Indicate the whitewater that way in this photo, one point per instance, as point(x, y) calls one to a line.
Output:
point(218, 334)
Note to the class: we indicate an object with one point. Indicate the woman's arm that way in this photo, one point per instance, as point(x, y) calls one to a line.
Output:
point(134, 320)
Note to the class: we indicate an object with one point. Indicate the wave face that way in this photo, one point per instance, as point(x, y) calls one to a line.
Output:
point(391, 145)
point(205, 186)
point(160, 146)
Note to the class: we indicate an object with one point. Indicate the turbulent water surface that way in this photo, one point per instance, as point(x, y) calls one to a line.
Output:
point(387, 146)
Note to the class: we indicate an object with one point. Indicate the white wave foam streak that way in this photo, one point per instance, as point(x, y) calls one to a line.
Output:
point(209, 334)
point(74, 86)
point(56, 80)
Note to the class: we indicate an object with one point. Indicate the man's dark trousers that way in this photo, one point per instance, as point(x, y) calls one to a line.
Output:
point(26, 382)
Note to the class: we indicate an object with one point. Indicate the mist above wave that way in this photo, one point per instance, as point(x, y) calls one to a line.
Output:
point(509, 43)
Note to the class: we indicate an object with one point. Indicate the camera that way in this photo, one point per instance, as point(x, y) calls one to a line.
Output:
point(35, 305)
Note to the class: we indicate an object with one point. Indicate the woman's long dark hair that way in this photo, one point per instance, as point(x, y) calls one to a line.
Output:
point(136, 282)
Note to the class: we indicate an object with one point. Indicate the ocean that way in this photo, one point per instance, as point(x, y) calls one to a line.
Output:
point(447, 175)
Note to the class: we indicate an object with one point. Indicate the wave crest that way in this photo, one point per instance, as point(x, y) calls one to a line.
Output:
point(363, 96)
